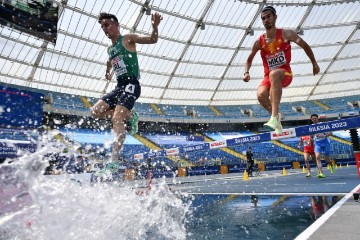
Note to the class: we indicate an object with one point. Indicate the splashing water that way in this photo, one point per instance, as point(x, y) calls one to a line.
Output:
point(37, 206)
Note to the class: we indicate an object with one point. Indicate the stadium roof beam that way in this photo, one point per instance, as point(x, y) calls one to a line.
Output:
point(158, 73)
point(248, 31)
point(177, 15)
point(293, 3)
point(307, 13)
point(207, 45)
point(235, 78)
point(334, 59)
point(241, 89)
point(188, 43)
point(43, 47)
point(143, 9)
point(51, 84)
point(46, 68)
point(61, 53)
point(75, 9)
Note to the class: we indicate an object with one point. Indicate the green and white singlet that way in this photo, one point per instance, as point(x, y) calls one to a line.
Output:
point(124, 63)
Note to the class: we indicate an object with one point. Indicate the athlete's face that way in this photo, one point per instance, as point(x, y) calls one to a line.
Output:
point(315, 119)
point(110, 27)
point(268, 19)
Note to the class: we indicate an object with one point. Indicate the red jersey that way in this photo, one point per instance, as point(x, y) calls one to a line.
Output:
point(276, 54)
point(308, 144)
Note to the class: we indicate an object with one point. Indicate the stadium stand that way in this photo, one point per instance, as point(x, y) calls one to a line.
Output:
point(67, 102)
point(145, 110)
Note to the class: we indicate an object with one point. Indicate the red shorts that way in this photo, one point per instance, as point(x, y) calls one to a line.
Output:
point(309, 150)
point(285, 82)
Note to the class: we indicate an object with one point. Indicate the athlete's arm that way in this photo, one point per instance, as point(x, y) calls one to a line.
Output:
point(153, 38)
point(292, 36)
point(300, 143)
point(108, 70)
point(254, 50)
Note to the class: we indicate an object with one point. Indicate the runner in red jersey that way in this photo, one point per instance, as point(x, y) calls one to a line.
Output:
point(276, 55)
point(309, 150)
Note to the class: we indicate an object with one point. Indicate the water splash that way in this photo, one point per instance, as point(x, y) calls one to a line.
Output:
point(35, 206)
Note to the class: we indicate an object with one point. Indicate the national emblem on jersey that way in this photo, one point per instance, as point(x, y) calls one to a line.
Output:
point(276, 54)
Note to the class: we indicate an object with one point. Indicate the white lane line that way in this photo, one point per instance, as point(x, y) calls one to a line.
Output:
point(335, 183)
point(317, 224)
point(267, 193)
point(8, 217)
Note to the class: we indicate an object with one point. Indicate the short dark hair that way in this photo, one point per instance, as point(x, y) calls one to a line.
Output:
point(314, 115)
point(269, 8)
point(104, 15)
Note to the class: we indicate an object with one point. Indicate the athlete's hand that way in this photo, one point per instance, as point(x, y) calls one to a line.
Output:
point(246, 77)
point(108, 76)
point(316, 68)
point(156, 19)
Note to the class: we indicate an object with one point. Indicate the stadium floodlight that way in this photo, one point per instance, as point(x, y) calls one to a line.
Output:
point(300, 32)
point(250, 32)
point(201, 25)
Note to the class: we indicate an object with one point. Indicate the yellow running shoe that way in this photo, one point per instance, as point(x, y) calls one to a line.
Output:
point(321, 175)
point(274, 124)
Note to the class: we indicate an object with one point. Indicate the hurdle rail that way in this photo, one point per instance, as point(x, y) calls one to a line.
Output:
point(342, 124)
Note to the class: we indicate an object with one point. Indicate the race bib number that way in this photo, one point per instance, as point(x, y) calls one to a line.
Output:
point(118, 66)
point(130, 88)
point(276, 60)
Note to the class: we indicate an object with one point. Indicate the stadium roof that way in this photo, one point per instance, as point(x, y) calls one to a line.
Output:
point(190, 65)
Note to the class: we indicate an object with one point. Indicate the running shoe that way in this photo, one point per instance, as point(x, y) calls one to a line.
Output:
point(321, 175)
point(134, 127)
point(308, 175)
point(332, 168)
point(274, 124)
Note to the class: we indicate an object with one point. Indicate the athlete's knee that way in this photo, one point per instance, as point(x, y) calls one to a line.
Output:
point(94, 112)
point(98, 109)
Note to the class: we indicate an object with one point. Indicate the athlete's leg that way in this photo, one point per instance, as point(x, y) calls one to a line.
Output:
point(327, 159)
point(102, 110)
point(251, 164)
point(318, 161)
point(263, 96)
point(121, 114)
point(313, 158)
point(306, 158)
point(276, 78)
point(327, 153)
